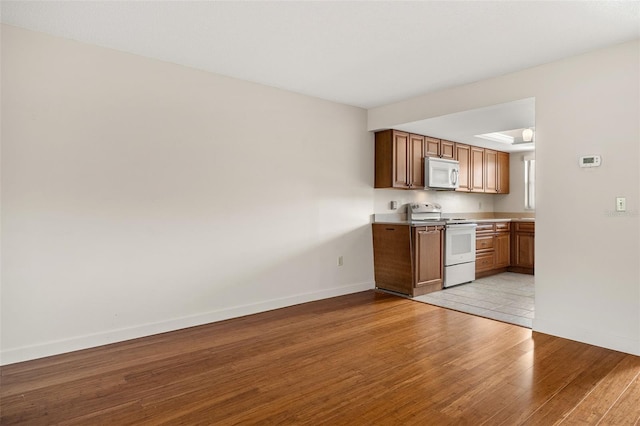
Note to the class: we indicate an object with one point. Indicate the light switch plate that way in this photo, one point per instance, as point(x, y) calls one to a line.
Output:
point(621, 204)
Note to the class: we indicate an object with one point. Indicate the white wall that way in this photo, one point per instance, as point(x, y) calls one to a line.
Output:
point(452, 202)
point(139, 196)
point(587, 274)
point(513, 202)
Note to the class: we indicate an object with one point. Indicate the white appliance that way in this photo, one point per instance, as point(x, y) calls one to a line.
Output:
point(419, 212)
point(459, 253)
point(440, 173)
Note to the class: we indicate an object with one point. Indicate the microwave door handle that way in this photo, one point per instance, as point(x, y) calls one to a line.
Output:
point(454, 176)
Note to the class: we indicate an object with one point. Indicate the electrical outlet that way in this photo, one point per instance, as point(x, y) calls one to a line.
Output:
point(621, 204)
point(340, 261)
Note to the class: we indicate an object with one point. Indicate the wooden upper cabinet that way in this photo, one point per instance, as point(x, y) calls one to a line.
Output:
point(431, 147)
point(416, 159)
point(503, 173)
point(399, 158)
point(477, 169)
point(463, 154)
point(447, 150)
point(490, 170)
point(439, 148)
point(392, 159)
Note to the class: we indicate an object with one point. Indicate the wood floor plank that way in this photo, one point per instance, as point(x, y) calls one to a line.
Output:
point(573, 392)
point(596, 403)
point(365, 358)
point(626, 410)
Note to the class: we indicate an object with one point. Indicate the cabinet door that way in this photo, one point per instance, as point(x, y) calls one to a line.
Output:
point(392, 257)
point(428, 256)
point(447, 150)
point(477, 169)
point(416, 161)
point(502, 249)
point(485, 261)
point(490, 171)
point(431, 147)
point(463, 154)
point(524, 249)
point(503, 172)
point(400, 160)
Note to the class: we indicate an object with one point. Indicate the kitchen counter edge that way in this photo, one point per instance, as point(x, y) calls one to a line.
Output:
point(443, 223)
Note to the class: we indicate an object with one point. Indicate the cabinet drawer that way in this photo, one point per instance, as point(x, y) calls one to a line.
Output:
point(485, 261)
point(484, 228)
point(525, 226)
point(429, 228)
point(484, 243)
point(503, 226)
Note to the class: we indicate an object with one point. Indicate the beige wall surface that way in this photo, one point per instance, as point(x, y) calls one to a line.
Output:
point(140, 196)
point(587, 274)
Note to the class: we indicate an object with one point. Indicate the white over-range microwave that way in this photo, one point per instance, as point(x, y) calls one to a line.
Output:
point(441, 174)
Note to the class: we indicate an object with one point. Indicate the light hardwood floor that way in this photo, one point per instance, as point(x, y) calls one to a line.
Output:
point(362, 359)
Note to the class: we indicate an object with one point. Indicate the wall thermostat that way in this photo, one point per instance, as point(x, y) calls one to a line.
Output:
point(590, 161)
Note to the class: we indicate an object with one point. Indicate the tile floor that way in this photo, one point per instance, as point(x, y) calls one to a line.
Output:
point(506, 297)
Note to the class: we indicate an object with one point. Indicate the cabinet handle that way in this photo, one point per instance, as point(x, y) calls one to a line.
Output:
point(389, 229)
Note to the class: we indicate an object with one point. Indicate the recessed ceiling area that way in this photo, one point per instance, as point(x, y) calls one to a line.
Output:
point(509, 118)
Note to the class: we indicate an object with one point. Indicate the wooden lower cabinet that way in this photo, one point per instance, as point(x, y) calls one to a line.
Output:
point(484, 263)
point(493, 253)
point(407, 259)
point(428, 242)
point(523, 248)
point(502, 249)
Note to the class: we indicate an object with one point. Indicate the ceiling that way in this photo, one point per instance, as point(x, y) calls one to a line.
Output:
point(361, 53)
point(509, 118)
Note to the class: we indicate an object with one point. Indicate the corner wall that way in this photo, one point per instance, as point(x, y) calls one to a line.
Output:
point(140, 196)
point(587, 276)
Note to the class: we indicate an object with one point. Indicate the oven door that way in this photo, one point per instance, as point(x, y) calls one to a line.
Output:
point(460, 243)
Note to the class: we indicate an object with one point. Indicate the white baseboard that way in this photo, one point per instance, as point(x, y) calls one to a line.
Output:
point(26, 353)
point(591, 337)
